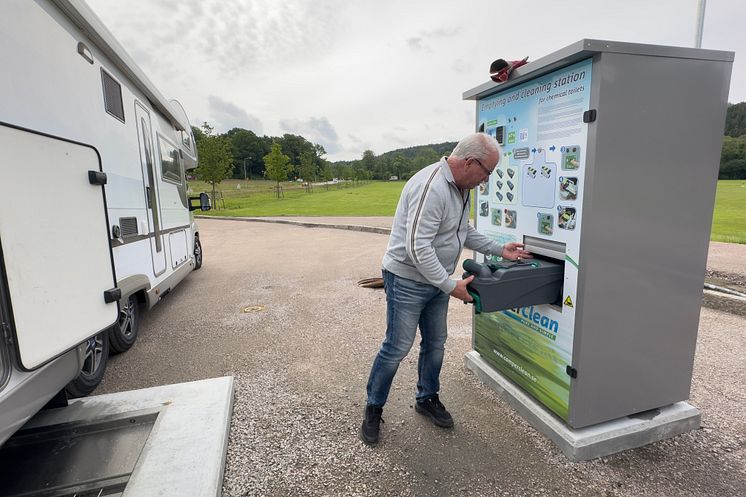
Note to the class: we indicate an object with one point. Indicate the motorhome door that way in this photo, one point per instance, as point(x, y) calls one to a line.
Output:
point(149, 174)
point(55, 254)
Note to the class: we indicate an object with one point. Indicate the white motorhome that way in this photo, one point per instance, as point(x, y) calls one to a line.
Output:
point(96, 222)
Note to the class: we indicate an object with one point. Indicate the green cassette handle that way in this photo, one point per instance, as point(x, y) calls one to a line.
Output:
point(477, 302)
point(473, 268)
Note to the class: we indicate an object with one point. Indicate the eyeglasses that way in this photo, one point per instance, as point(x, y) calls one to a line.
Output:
point(486, 171)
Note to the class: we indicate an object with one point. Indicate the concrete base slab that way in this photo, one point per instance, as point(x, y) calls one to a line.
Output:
point(185, 452)
point(593, 441)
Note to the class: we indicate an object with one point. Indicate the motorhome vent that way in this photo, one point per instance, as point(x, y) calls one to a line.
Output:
point(112, 96)
point(128, 226)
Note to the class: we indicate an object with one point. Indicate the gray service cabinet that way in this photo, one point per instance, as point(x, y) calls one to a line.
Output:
point(610, 166)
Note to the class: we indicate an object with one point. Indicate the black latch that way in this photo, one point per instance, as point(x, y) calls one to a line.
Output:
point(59, 400)
point(7, 335)
point(589, 116)
point(571, 371)
point(112, 295)
point(97, 177)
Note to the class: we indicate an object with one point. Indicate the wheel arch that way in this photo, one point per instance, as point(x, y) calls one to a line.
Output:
point(136, 284)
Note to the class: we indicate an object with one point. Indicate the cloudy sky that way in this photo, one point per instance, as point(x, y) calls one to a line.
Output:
point(355, 75)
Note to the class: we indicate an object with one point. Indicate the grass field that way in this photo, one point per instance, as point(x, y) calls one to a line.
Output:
point(379, 198)
point(257, 198)
point(729, 221)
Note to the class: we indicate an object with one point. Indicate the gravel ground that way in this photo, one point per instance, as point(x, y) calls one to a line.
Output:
point(726, 279)
point(301, 357)
point(726, 265)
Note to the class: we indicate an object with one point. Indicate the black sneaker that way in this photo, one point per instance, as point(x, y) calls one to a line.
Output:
point(371, 425)
point(434, 408)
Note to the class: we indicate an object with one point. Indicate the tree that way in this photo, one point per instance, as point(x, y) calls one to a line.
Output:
point(368, 162)
point(307, 168)
point(425, 157)
point(215, 158)
point(733, 158)
point(326, 173)
point(248, 150)
point(359, 174)
point(733, 148)
point(383, 168)
point(320, 152)
point(400, 166)
point(294, 145)
point(735, 120)
point(277, 166)
point(733, 169)
point(198, 135)
point(347, 172)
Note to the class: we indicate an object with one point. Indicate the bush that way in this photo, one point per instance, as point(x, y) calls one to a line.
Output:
point(733, 169)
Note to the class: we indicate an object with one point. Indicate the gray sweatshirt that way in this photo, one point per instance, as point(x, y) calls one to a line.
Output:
point(431, 227)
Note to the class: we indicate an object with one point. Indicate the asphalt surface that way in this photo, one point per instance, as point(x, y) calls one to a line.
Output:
point(277, 307)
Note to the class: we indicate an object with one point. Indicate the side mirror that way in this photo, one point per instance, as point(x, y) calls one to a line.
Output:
point(204, 202)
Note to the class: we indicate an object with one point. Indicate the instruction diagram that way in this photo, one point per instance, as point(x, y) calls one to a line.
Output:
point(536, 193)
point(538, 181)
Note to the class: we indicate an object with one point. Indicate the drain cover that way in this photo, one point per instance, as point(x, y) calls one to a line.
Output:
point(91, 457)
point(252, 308)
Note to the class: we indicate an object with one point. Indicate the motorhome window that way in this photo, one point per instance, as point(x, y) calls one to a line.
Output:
point(186, 139)
point(170, 164)
point(4, 365)
point(112, 96)
point(148, 160)
point(4, 368)
point(151, 189)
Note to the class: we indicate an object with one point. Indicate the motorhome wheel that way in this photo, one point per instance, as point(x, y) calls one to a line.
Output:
point(94, 366)
point(197, 253)
point(124, 334)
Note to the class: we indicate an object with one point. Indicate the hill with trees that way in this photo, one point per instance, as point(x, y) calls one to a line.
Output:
point(402, 162)
point(307, 160)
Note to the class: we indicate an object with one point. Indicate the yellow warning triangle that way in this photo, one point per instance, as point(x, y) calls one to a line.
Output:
point(568, 301)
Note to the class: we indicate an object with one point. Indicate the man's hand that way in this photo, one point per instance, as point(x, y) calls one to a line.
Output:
point(460, 291)
point(514, 251)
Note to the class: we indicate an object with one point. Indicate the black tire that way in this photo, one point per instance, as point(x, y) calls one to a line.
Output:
point(197, 254)
point(94, 366)
point(123, 335)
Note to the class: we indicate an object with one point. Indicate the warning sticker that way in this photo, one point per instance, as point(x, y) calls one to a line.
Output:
point(568, 301)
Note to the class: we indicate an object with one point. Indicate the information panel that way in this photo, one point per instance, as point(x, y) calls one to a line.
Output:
point(536, 190)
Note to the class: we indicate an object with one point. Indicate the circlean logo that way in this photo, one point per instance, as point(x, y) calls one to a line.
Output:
point(535, 320)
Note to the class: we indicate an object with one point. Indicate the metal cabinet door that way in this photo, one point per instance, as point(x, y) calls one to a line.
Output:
point(54, 245)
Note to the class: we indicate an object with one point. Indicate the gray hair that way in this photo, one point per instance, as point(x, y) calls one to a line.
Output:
point(478, 145)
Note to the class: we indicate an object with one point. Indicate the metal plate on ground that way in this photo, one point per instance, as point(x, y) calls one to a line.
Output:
point(75, 458)
point(166, 440)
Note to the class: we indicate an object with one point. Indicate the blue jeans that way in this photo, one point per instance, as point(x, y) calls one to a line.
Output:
point(408, 304)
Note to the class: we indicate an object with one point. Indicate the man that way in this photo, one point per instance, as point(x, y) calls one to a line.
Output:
point(431, 227)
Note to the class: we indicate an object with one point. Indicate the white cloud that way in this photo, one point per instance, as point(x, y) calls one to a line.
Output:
point(416, 44)
point(370, 67)
point(315, 129)
point(227, 116)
